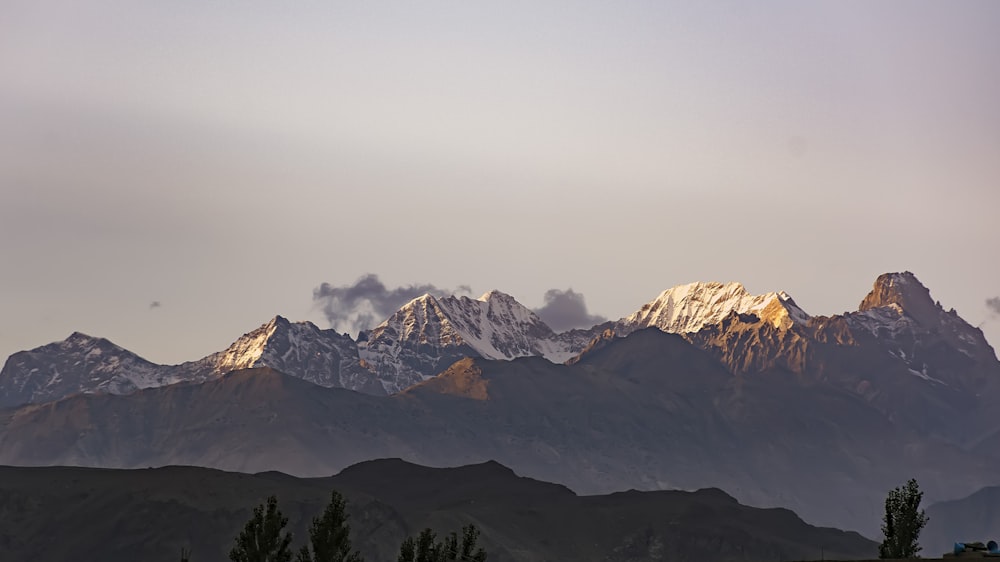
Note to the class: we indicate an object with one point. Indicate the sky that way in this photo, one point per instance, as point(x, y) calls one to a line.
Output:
point(174, 174)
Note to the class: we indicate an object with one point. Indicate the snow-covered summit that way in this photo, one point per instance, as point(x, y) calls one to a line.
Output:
point(495, 325)
point(85, 364)
point(429, 333)
point(495, 294)
point(77, 364)
point(689, 308)
point(299, 349)
point(247, 350)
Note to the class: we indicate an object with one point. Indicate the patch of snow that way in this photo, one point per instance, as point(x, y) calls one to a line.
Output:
point(884, 321)
point(923, 375)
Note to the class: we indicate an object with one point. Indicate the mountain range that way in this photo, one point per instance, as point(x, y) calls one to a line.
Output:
point(706, 385)
point(151, 514)
point(430, 333)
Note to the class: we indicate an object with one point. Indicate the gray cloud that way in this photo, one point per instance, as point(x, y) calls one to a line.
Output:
point(154, 304)
point(351, 308)
point(993, 303)
point(565, 310)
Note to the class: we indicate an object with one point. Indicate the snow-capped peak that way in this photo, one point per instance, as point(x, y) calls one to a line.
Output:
point(495, 325)
point(428, 333)
point(300, 349)
point(689, 308)
point(246, 351)
point(78, 364)
point(495, 294)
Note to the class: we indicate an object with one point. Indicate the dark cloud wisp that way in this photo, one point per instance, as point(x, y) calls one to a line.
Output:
point(565, 310)
point(352, 308)
point(993, 303)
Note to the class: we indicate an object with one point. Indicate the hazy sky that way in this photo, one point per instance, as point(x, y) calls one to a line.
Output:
point(223, 159)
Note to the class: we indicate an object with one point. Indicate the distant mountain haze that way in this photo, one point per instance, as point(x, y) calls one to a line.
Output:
point(973, 518)
point(748, 393)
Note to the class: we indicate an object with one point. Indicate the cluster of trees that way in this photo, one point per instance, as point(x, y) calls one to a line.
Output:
point(264, 539)
point(426, 549)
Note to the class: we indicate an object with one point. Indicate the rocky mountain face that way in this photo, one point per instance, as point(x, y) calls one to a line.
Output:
point(920, 365)
point(648, 411)
point(84, 364)
point(923, 367)
point(150, 514)
point(80, 363)
point(421, 339)
point(430, 333)
point(752, 395)
point(936, 345)
point(302, 350)
point(901, 351)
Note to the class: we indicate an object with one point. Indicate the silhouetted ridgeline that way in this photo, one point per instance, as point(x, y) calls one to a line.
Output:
point(59, 513)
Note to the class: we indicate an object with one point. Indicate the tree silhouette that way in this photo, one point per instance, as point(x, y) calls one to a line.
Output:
point(261, 539)
point(329, 535)
point(426, 549)
point(902, 522)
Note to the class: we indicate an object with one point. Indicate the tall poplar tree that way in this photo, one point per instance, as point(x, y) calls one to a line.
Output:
point(902, 522)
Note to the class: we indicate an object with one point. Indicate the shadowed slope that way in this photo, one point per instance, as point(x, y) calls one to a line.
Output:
point(648, 411)
point(56, 514)
point(969, 519)
point(249, 420)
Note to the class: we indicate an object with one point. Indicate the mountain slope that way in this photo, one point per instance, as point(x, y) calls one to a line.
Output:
point(648, 411)
point(83, 364)
point(924, 368)
point(973, 518)
point(151, 514)
point(80, 363)
point(936, 345)
point(418, 341)
point(302, 350)
point(429, 333)
point(250, 420)
point(689, 308)
point(897, 329)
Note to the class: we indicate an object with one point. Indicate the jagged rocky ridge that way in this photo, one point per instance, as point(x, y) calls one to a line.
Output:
point(749, 333)
point(689, 308)
point(418, 341)
point(430, 333)
point(85, 364)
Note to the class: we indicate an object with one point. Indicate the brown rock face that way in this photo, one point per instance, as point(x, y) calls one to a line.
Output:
point(905, 291)
point(932, 342)
point(748, 344)
point(922, 366)
point(464, 378)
